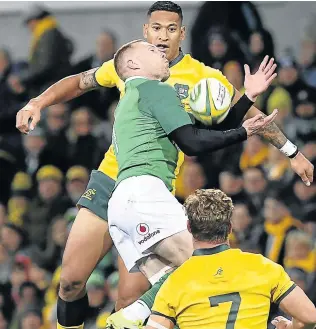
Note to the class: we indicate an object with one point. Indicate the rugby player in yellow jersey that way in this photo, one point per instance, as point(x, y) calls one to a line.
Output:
point(89, 239)
point(219, 287)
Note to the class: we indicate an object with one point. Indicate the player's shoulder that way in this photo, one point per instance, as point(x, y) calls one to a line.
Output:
point(155, 89)
point(181, 274)
point(200, 67)
point(258, 261)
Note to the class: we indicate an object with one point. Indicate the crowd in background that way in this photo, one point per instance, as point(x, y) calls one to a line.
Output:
point(44, 173)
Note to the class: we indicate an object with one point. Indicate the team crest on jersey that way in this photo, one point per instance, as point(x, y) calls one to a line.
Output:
point(182, 90)
point(89, 194)
point(219, 272)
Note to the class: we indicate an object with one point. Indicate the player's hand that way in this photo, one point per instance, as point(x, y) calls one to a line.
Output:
point(281, 322)
point(256, 84)
point(28, 117)
point(303, 168)
point(258, 122)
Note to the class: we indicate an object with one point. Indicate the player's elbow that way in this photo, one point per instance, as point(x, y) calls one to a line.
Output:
point(311, 317)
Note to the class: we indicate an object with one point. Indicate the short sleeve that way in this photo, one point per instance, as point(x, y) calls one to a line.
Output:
point(282, 285)
point(165, 105)
point(208, 72)
point(164, 304)
point(106, 75)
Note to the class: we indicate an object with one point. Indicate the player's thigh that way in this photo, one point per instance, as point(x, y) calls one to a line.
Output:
point(131, 285)
point(89, 239)
point(176, 248)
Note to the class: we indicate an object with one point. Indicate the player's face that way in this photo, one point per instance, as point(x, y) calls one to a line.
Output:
point(164, 30)
point(153, 61)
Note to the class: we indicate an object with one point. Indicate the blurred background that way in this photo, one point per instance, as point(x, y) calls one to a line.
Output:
point(43, 174)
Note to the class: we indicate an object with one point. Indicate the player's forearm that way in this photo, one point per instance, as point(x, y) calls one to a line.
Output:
point(300, 325)
point(67, 89)
point(194, 141)
point(271, 133)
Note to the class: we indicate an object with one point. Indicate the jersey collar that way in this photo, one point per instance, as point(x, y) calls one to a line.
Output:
point(177, 59)
point(135, 77)
point(211, 251)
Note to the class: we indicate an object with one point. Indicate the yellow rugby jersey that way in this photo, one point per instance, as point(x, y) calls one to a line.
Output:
point(222, 288)
point(185, 72)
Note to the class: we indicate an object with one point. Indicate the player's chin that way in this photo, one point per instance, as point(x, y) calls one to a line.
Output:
point(166, 76)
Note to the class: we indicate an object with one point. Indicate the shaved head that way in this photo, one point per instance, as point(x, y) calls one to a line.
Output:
point(140, 58)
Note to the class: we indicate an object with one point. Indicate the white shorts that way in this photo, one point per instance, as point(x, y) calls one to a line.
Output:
point(141, 213)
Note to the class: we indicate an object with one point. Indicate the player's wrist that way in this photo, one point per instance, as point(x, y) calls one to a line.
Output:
point(251, 96)
point(289, 149)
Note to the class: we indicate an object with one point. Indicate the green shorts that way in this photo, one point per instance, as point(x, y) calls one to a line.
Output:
point(97, 195)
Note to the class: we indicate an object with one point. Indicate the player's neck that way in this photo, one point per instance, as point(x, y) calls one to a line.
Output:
point(207, 245)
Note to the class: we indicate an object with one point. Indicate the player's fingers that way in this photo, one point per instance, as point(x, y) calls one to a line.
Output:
point(269, 65)
point(263, 63)
point(271, 71)
point(247, 69)
point(23, 121)
point(270, 117)
point(34, 122)
point(305, 178)
point(310, 174)
point(272, 78)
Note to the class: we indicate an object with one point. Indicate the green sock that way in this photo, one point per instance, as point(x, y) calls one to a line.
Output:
point(149, 296)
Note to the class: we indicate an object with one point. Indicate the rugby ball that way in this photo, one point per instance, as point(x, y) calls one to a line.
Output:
point(210, 101)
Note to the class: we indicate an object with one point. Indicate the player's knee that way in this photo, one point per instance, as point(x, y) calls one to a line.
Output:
point(124, 301)
point(70, 288)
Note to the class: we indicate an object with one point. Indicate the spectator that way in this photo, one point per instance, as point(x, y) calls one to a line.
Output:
point(309, 222)
point(220, 49)
point(244, 228)
point(98, 299)
point(290, 79)
point(191, 178)
point(98, 100)
point(231, 183)
point(278, 223)
point(308, 61)
point(77, 181)
point(31, 319)
point(29, 298)
point(20, 199)
point(46, 65)
point(260, 45)
point(255, 185)
point(37, 153)
point(48, 203)
point(277, 168)
point(255, 153)
point(300, 253)
point(83, 148)
point(304, 121)
point(14, 239)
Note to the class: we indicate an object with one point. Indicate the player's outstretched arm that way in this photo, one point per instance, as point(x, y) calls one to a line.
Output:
point(62, 91)
point(301, 308)
point(194, 141)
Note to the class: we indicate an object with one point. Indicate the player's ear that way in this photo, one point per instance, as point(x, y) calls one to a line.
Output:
point(182, 33)
point(188, 227)
point(145, 30)
point(132, 64)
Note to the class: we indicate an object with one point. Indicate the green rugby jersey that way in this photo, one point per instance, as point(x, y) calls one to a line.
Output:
point(144, 117)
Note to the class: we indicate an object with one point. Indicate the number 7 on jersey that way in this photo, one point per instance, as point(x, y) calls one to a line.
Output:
point(232, 297)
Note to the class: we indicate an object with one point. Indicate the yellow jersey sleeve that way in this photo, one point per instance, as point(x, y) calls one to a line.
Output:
point(282, 285)
point(208, 72)
point(164, 302)
point(106, 75)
